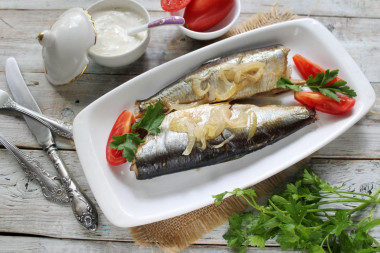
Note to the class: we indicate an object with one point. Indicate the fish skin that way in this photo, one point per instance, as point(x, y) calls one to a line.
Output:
point(162, 154)
point(276, 66)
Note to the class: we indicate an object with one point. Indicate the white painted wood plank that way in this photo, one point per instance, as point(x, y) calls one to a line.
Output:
point(24, 210)
point(358, 36)
point(352, 8)
point(26, 244)
point(360, 141)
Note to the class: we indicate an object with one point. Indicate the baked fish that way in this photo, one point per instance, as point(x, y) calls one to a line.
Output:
point(215, 133)
point(238, 76)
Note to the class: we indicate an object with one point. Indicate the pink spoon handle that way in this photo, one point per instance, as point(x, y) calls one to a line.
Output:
point(175, 20)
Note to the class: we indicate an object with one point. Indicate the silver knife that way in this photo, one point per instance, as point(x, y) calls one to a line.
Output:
point(83, 209)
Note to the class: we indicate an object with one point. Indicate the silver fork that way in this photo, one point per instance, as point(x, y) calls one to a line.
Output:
point(57, 126)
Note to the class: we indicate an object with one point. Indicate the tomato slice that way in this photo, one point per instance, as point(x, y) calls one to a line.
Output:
point(325, 104)
point(122, 126)
point(174, 5)
point(201, 15)
point(307, 68)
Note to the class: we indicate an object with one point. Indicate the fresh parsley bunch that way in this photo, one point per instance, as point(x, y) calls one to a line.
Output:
point(319, 83)
point(151, 122)
point(302, 218)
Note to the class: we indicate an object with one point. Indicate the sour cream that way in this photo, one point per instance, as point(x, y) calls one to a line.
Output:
point(111, 28)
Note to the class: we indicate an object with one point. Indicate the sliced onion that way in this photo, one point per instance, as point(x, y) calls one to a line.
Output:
point(223, 142)
point(211, 93)
point(201, 130)
point(227, 95)
point(238, 122)
point(190, 143)
point(177, 106)
point(180, 124)
point(216, 122)
point(251, 72)
point(230, 92)
point(237, 76)
point(251, 124)
point(258, 75)
point(214, 130)
point(203, 138)
point(197, 88)
point(196, 82)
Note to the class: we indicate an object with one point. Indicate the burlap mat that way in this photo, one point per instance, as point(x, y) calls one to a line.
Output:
point(175, 234)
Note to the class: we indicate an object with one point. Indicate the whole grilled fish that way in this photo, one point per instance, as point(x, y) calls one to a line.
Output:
point(237, 76)
point(210, 134)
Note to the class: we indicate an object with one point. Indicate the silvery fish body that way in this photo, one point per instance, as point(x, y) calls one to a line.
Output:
point(238, 76)
point(164, 153)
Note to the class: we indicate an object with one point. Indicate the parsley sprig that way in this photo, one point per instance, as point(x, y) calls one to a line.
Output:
point(303, 218)
point(318, 83)
point(128, 144)
point(151, 122)
point(152, 119)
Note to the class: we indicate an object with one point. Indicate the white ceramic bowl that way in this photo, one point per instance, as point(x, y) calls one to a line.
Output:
point(217, 30)
point(124, 58)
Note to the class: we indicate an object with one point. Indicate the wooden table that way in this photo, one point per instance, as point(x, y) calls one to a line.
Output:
point(29, 223)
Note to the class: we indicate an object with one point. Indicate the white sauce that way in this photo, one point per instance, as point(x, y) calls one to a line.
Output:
point(111, 28)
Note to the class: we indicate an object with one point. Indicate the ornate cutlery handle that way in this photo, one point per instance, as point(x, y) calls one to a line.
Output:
point(83, 209)
point(57, 126)
point(51, 187)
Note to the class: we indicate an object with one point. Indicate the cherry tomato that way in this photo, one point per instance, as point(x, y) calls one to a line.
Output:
point(174, 5)
point(307, 68)
point(325, 104)
point(122, 126)
point(201, 15)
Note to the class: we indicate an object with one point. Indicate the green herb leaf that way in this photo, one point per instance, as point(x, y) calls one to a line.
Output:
point(329, 76)
point(340, 222)
point(280, 201)
point(370, 224)
point(285, 83)
point(219, 198)
point(256, 241)
point(329, 93)
point(152, 119)
point(316, 249)
point(340, 86)
point(127, 143)
point(318, 83)
point(151, 122)
point(301, 218)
